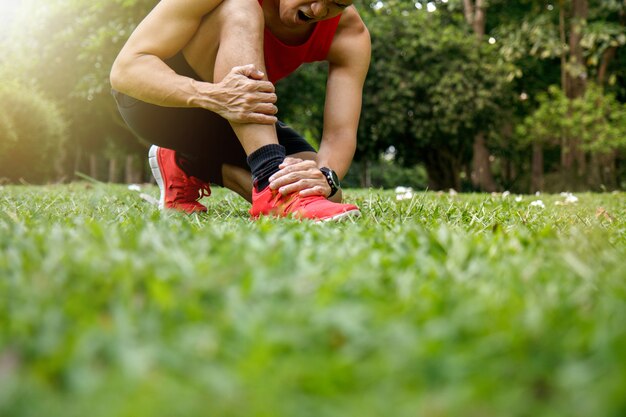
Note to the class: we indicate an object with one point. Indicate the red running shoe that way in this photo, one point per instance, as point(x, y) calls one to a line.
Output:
point(179, 191)
point(270, 202)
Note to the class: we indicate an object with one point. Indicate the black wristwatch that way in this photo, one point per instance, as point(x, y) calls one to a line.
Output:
point(333, 180)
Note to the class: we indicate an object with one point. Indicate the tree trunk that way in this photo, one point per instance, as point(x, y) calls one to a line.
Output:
point(567, 154)
point(468, 9)
point(93, 166)
point(594, 175)
point(574, 83)
point(578, 80)
point(609, 54)
point(607, 163)
point(132, 177)
point(481, 172)
point(481, 176)
point(577, 74)
point(443, 171)
point(581, 160)
point(113, 170)
point(566, 159)
point(507, 163)
point(366, 174)
point(77, 160)
point(59, 165)
point(564, 86)
point(536, 181)
point(607, 57)
point(480, 19)
point(608, 172)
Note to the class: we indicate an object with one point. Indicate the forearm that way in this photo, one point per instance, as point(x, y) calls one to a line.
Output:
point(149, 79)
point(348, 59)
point(240, 97)
point(336, 152)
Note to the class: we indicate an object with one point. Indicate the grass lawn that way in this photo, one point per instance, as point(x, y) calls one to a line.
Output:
point(439, 305)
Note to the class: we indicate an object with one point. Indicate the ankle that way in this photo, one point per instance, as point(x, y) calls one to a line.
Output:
point(264, 163)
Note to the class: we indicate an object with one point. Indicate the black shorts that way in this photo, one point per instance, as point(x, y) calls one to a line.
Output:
point(203, 137)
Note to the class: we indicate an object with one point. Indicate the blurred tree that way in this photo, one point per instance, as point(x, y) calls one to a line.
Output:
point(475, 12)
point(66, 48)
point(430, 90)
point(584, 36)
point(32, 133)
point(596, 118)
point(301, 100)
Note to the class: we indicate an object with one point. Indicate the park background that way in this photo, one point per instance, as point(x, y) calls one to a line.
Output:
point(468, 95)
point(434, 304)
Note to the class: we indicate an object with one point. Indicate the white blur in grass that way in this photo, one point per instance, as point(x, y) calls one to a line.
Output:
point(568, 198)
point(404, 193)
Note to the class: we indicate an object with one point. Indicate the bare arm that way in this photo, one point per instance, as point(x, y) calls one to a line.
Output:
point(140, 70)
point(349, 60)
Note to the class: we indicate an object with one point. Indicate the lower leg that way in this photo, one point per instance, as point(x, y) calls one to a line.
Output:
point(238, 180)
point(242, 44)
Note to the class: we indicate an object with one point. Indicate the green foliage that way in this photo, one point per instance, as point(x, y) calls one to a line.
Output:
point(431, 88)
point(439, 305)
point(597, 119)
point(601, 35)
point(66, 48)
point(32, 133)
point(534, 32)
point(301, 100)
point(75, 42)
point(387, 174)
point(536, 36)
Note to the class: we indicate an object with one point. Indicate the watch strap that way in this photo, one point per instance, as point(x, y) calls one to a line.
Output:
point(332, 179)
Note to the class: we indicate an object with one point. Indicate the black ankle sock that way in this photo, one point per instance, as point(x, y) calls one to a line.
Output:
point(264, 162)
point(192, 165)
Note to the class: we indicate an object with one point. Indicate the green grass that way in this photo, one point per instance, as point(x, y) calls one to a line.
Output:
point(467, 305)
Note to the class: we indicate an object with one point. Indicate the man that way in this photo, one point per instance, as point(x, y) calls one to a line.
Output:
point(196, 78)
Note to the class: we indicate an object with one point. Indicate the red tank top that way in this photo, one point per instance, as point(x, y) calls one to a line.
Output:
point(281, 60)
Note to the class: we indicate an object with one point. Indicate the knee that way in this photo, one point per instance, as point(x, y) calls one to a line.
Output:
point(247, 14)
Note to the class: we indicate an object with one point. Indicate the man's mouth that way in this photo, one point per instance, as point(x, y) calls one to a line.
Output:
point(302, 16)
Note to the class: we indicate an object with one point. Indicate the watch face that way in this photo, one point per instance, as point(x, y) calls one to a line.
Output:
point(331, 177)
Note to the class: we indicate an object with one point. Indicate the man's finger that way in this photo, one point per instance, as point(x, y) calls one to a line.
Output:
point(304, 188)
point(269, 109)
point(294, 187)
point(317, 190)
point(265, 87)
point(289, 161)
point(298, 165)
point(291, 173)
point(259, 118)
point(249, 71)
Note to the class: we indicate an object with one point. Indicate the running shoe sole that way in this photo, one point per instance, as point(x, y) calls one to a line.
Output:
point(156, 172)
point(343, 216)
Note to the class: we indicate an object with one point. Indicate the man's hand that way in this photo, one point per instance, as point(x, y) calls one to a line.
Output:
point(244, 97)
point(303, 176)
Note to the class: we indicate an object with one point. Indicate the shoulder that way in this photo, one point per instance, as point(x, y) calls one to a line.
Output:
point(351, 22)
point(352, 39)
